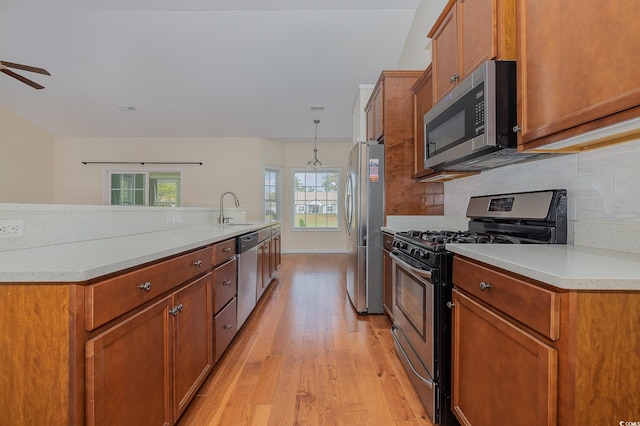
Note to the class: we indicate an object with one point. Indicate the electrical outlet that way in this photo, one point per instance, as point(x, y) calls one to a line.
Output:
point(11, 228)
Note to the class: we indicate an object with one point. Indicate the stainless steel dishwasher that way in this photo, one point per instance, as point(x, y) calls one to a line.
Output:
point(247, 275)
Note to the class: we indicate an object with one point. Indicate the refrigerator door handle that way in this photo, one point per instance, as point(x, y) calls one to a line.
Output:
point(348, 203)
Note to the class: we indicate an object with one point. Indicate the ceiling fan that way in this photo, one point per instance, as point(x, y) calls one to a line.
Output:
point(4, 67)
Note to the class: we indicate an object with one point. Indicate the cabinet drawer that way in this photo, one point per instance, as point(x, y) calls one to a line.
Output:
point(224, 329)
point(225, 284)
point(534, 306)
point(224, 251)
point(113, 297)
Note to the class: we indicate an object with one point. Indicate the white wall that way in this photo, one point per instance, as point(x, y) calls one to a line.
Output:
point(334, 155)
point(416, 54)
point(229, 164)
point(26, 165)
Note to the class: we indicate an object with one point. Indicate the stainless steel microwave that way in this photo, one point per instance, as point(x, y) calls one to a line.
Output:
point(472, 128)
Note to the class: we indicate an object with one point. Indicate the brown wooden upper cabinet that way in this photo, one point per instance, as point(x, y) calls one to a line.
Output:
point(375, 119)
point(390, 119)
point(467, 34)
point(422, 102)
point(577, 69)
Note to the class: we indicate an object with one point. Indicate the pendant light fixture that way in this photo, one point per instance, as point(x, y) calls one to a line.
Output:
point(315, 163)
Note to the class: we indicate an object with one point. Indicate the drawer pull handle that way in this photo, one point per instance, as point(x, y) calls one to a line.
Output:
point(454, 77)
point(146, 286)
point(484, 285)
point(197, 263)
point(180, 307)
point(227, 282)
point(228, 326)
point(226, 249)
point(450, 305)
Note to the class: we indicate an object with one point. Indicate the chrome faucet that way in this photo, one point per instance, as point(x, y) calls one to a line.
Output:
point(221, 218)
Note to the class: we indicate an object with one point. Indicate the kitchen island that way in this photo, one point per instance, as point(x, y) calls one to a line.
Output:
point(100, 329)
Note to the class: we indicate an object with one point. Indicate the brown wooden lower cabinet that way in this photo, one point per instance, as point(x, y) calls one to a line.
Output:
point(528, 353)
point(145, 369)
point(500, 371)
point(387, 275)
point(192, 341)
point(129, 370)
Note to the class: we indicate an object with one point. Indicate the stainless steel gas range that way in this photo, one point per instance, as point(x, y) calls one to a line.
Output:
point(422, 270)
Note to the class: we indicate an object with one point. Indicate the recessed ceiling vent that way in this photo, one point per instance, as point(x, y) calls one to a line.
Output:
point(127, 108)
point(317, 108)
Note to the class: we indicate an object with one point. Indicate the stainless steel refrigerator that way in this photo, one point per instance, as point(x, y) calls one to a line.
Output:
point(364, 214)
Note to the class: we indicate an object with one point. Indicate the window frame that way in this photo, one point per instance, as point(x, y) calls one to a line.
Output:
point(107, 186)
point(295, 206)
point(278, 191)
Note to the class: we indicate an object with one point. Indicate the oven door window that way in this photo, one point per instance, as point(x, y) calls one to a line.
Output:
point(414, 298)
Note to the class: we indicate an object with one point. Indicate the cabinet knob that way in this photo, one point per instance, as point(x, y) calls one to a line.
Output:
point(484, 285)
point(176, 309)
point(516, 129)
point(450, 305)
point(228, 326)
point(146, 286)
point(227, 283)
point(197, 263)
point(454, 77)
point(226, 249)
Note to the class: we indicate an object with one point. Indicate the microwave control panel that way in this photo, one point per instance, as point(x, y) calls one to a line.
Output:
point(479, 110)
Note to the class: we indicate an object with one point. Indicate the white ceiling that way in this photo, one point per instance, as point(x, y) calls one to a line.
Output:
point(247, 68)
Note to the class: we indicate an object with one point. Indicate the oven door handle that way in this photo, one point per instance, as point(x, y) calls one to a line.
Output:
point(430, 384)
point(419, 272)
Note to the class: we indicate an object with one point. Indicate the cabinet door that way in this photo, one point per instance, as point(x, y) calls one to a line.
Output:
point(387, 287)
point(128, 370)
point(374, 111)
point(192, 339)
point(576, 65)
point(423, 101)
point(261, 275)
point(486, 31)
point(266, 264)
point(499, 371)
point(274, 257)
point(445, 56)
point(475, 32)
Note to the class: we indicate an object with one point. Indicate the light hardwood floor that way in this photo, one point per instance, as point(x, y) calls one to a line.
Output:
point(304, 357)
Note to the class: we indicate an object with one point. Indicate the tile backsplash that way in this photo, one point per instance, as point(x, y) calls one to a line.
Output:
point(603, 189)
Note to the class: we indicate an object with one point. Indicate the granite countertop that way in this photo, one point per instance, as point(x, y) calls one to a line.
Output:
point(85, 260)
point(568, 266)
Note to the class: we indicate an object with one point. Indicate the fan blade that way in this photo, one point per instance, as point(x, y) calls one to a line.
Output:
point(22, 79)
point(25, 67)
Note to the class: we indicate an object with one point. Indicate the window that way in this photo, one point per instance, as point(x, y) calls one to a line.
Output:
point(272, 185)
point(316, 195)
point(143, 188)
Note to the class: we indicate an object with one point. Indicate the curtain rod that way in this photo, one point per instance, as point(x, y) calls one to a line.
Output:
point(142, 162)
